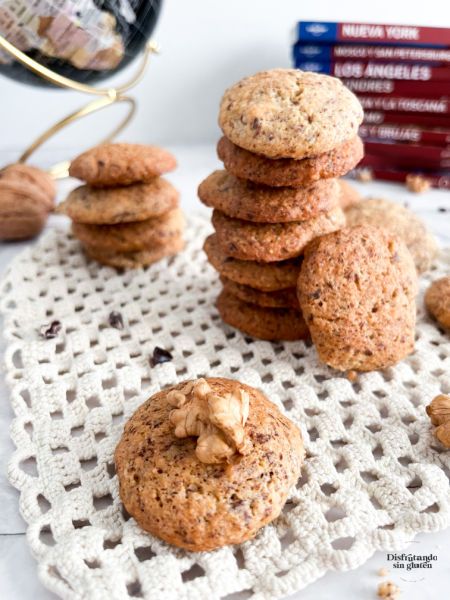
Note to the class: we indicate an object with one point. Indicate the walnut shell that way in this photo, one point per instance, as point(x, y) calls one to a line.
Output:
point(33, 175)
point(26, 198)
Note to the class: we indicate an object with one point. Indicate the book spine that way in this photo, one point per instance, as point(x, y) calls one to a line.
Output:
point(398, 133)
point(382, 117)
point(437, 180)
point(425, 153)
point(309, 51)
point(440, 106)
point(390, 87)
point(320, 32)
point(374, 70)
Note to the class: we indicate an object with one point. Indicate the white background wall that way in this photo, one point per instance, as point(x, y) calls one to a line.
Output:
point(207, 45)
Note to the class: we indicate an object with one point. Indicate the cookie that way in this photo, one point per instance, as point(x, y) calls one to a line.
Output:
point(197, 505)
point(137, 259)
point(24, 209)
point(349, 196)
point(357, 292)
point(267, 277)
point(268, 242)
point(136, 202)
point(261, 204)
point(262, 322)
point(127, 237)
point(288, 113)
point(290, 171)
point(26, 174)
point(279, 299)
point(400, 221)
point(121, 164)
point(437, 300)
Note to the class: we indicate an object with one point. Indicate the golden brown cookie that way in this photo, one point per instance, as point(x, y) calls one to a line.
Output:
point(437, 300)
point(175, 495)
point(267, 277)
point(136, 202)
point(349, 195)
point(288, 113)
point(261, 204)
point(268, 242)
point(290, 171)
point(399, 221)
point(137, 259)
point(121, 164)
point(138, 235)
point(262, 322)
point(278, 299)
point(357, 291)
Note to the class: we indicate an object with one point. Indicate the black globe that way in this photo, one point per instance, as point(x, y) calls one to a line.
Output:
point(86, 41)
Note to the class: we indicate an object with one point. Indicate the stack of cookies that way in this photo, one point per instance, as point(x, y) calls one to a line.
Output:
point(126, 215)
point(288, 136)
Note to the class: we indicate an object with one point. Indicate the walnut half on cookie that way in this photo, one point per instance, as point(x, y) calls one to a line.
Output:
point(207, 463)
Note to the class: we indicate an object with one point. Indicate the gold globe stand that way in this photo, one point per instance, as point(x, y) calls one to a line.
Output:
point(110, 96)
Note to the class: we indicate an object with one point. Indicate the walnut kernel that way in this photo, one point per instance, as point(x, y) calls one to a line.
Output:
point(439, 413)
point(417, 183)
point(217, 421)
point(389, 590)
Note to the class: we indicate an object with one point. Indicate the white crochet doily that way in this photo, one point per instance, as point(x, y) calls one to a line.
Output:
point(374, 476)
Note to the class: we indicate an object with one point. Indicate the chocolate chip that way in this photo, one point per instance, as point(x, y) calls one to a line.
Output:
point(115, 319)
point(261, 438)
point(368, 352)
point(442, 209)
point(50, 330)
point(316, 294)
point(160, 356)
point(100, 163)
point(255, 123)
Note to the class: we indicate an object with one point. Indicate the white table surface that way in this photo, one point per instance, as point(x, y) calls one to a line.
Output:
point(18, 572)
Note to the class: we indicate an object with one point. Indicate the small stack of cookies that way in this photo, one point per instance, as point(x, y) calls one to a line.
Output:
point(289, 135)
point(126, 215)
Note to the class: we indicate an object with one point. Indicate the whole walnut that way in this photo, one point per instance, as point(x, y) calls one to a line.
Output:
point(26, 199)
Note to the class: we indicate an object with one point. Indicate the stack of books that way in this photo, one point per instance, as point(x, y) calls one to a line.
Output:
point(401, 75)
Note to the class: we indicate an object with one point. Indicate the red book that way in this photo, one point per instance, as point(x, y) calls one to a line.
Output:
point(415, 89)
point(437, 180)
point(402, 104)
point(437, 153)
point(397, 71)
point(389, 53)
point(403, 133)
point(381, 117)
point(406, 162)
point(320, 32)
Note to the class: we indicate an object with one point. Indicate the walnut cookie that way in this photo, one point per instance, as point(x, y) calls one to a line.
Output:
point(261, 204)
point(136, 259)
point(207, 463)
point(357, 289)
point(108, 206)
point(121, 164)
point(400, 221)
point(288, 113)
point(262, 322)
point(269, 242)
point(267, 277)
point(286, 298)
point(127, 237)
point(290, 171)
